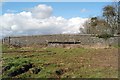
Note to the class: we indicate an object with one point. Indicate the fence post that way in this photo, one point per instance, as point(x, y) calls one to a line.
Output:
point(9, 41)
point(2, 41)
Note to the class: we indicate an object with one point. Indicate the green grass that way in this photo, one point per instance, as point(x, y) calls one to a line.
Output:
point(14, 64)
point(6, 48)
point(117, 46)
point(74, 61)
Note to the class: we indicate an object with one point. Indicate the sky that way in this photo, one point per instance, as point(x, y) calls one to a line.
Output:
point(58, 0)
point(65, 9)
point(34, 18)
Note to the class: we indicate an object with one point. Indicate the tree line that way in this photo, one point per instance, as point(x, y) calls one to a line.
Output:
point(108, 23)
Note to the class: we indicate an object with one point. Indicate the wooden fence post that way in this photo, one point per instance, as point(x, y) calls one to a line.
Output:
point(9, 41)
point(2, 41)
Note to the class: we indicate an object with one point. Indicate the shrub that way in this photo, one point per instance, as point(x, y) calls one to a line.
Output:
point(105, 36)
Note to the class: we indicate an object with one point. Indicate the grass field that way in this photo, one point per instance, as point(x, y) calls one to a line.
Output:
point(59, 63)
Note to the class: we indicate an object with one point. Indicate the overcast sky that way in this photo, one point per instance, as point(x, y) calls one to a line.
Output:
point(32, 18)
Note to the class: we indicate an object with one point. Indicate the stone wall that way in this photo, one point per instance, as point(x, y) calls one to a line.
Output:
point(44, 39)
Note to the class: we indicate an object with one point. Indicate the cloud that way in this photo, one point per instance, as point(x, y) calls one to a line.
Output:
point(11, 11)
point(27, 23)
point(83, 10)
point(41, 11)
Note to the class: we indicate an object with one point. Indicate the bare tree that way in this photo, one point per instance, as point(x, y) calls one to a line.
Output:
point(95, 25)
point(111, 14)
point(86, 29)
point(109, 23)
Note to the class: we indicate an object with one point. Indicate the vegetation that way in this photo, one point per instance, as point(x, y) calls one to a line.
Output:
point(107, 23)
point(61, 63)
point(46, 62)
point(105, 36)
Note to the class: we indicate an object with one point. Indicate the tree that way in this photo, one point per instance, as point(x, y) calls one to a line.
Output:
point(109, 23)
point(118, 20)
point(110, 14)
point(95, 26)
point(86, 28)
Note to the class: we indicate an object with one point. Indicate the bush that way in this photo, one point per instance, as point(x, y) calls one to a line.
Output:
point(105, 36)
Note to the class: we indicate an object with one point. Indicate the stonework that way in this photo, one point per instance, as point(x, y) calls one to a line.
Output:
point(45, 39)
